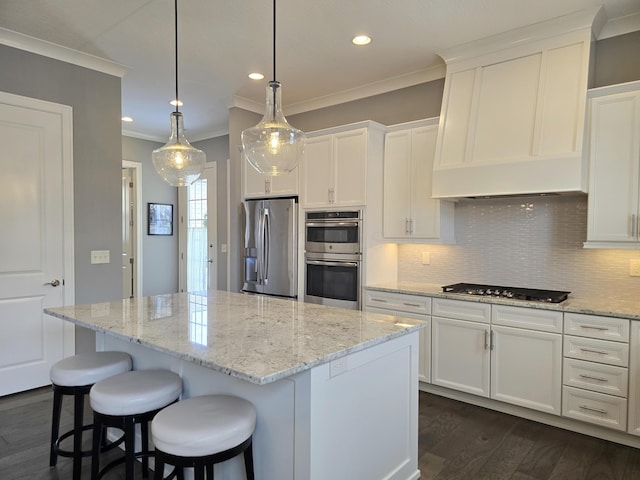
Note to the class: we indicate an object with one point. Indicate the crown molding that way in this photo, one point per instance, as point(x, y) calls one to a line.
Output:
point(58, 52)
point(364, 91)
point(620, 26)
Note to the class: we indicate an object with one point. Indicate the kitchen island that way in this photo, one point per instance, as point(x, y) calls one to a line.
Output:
point(336, 391)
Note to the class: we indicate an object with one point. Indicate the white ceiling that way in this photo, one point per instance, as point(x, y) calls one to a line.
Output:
point(221, 41)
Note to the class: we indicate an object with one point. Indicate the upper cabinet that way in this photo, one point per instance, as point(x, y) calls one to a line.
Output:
point(614, 193)
point(257, 185)
point(335, 166)
point(513, 111)
point(409, 211)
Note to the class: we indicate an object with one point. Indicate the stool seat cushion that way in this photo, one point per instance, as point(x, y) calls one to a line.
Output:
point(135, 392)
point(205, 425)
point(89, 368)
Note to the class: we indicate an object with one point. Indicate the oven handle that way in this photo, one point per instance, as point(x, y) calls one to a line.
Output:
point(332, 224)
point(332, 264)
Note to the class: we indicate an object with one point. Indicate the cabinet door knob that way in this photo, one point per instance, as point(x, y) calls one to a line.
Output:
point(53, 283)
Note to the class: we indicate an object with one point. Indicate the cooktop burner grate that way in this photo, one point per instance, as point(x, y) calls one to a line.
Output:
point(517, 293)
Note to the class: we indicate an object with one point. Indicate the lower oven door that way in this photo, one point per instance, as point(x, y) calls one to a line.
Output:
point(333, 282)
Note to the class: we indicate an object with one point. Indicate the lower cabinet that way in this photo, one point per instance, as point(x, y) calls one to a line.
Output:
point(521, 366)
point(634, 379)
point(596, 357)
point(409, 306)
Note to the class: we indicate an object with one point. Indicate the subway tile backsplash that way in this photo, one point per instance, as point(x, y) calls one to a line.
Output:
point(533, 242)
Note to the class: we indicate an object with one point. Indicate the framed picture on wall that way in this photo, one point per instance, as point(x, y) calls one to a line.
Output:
point(159, 219)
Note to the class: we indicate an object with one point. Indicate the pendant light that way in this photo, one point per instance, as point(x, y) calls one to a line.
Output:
point(177, 162)
point(273, 147)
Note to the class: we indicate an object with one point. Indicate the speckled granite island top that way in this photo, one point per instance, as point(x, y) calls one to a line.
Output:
point(604, 305)
point(256, 338)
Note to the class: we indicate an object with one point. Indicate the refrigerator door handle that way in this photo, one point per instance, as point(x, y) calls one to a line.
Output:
point(266, 245)
point(260, 245)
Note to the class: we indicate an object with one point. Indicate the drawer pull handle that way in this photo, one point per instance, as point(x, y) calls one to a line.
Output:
point(378, 300)
point(591, 327)
point(591, 409)
point(588, 350)
point(412, 304)
point(600, 379)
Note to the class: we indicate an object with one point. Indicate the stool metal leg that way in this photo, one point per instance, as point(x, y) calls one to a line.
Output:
point(95, 452)
point(55, 426)
point(248, 461)
point(198, 472)
point(129, 447)
point(78, 422)
point(209, 467)
point(144, 434)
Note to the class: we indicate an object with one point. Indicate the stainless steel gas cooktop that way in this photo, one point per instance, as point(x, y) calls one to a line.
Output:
point(517, 293)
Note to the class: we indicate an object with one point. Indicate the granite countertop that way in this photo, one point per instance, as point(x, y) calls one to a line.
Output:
point(606, 306)
point(256, 338)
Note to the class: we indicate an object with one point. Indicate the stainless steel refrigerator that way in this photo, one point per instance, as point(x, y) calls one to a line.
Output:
point(270, 247)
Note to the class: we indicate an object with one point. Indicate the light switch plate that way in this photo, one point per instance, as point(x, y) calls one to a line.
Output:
point(100, 256)
point(634, 267)
point(426, 258)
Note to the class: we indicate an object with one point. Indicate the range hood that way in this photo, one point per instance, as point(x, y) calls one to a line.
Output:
point(513, 111)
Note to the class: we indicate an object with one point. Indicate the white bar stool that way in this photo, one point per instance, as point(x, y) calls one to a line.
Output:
point(74, 376)
point(202, 431)
point(122, 401)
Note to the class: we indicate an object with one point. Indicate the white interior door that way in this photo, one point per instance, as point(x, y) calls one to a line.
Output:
point(198, 221)
point(36, 265)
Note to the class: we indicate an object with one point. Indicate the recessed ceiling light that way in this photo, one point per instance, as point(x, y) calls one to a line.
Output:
point(361, 40)
point(256, 76)
point(127, 119)
point(173, 102)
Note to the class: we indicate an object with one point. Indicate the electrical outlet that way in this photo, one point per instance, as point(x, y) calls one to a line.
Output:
point(634, 267)
point(338, 366)
point(426, 258)
point(100, 256)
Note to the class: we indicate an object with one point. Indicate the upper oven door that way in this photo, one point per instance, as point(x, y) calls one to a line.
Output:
point(333, 236)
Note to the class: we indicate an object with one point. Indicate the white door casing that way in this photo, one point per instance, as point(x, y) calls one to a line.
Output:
point(36, 245)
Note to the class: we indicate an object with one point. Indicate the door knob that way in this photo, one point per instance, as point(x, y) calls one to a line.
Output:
point(53, 283)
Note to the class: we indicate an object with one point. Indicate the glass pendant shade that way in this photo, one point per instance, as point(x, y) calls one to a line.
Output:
point(273, 147)
point(177, 162)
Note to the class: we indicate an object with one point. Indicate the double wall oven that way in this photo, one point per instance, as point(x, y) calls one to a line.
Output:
point(333, 258)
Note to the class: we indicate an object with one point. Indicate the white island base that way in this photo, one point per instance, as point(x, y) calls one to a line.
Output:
point(354, 418)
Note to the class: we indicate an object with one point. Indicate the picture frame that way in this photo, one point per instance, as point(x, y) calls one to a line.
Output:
point(159, 219)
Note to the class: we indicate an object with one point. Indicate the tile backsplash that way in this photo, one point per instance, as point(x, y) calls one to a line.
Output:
point(533, 242)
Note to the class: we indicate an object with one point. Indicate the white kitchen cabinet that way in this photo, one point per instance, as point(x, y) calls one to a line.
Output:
point(409, 211)
point(634, 379)
point(595, 373)
point(513, 111)
point(410, 306)
point(334, 170)
point(614, 154)
point(526, 368)
point(500, 360)
point(460, 355)
point(257, 185)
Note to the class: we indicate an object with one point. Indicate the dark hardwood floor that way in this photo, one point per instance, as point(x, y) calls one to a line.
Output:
point(456, 441)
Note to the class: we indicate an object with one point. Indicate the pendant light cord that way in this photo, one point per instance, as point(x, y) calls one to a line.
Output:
point(176, 42)
point(274, 40)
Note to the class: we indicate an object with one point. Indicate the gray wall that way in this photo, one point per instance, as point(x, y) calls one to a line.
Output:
point(97, 158)
point(217, 150)
point(404, 105)
point(618, 59)
point(160, 253)
point(239, 119)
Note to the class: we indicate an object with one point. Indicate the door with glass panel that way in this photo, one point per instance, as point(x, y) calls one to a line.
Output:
point(198, 258)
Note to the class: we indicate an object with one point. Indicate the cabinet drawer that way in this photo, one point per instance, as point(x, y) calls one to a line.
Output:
point(594, 326)
point(596, 377)
point(593, 407)
point(399, 302)
point(530, 318)
point(602, 351)
point(461, 310)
